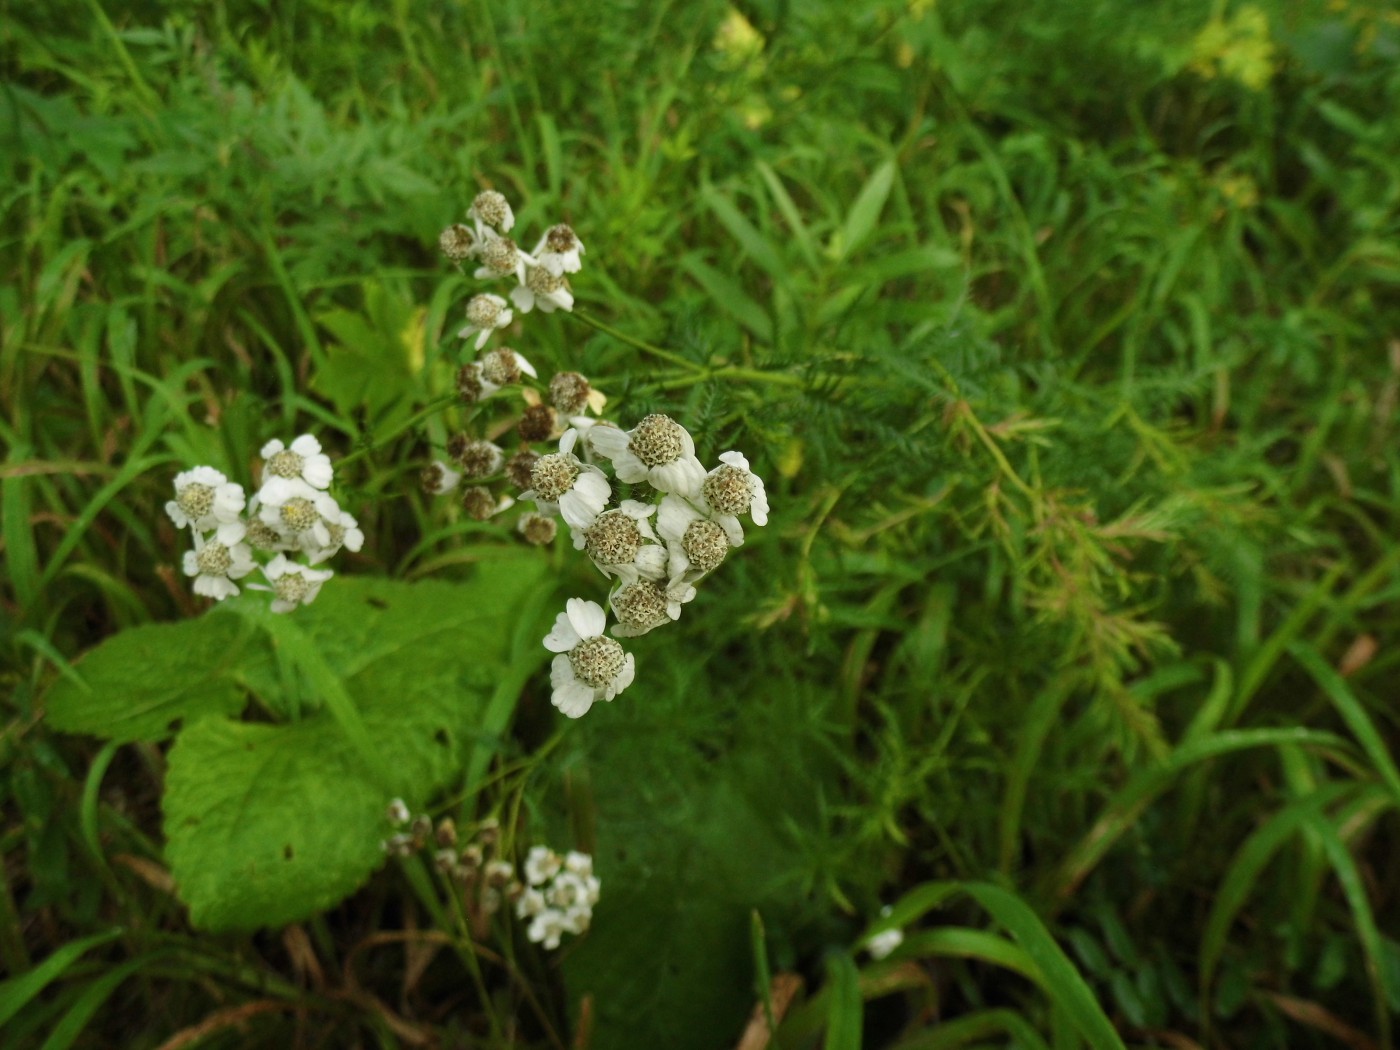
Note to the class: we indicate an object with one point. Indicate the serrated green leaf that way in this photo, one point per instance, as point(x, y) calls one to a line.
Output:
point(139, 683)
point(268, 824)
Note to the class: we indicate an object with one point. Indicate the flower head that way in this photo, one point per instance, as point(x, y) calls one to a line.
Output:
point(561, 483)
point(485, 314)
point(438, 478)
point(732, 489)
point(539, 287)
point(303, 459)
point(657, 450)
point(458, 242)
point(590, 667)
point(205, 499)
point(697, 545)
point(621, 542)
point(500, 258)
point(297, 511)
point(215, 563)
point(559, 250)
point(491, 208)
point(643, 605)
point(291, 584)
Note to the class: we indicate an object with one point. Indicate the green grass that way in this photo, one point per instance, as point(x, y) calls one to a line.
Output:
point(1069, 358)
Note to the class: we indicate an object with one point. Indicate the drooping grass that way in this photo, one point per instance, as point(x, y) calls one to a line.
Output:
point(1063, 337)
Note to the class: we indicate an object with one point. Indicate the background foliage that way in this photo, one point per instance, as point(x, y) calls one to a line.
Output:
point(1065, 334)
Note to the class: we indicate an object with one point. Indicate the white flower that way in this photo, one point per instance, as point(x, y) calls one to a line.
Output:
point(696, 544)
point(589, 667)
point(541, 288)
point(491, 209)
point(530, 904)
point(644, 605)
point(205, 499)
point(304, 460)
point(732, 489)
point(880, 945)
point(580, 864)
point(397, 813)
point(559, 250)
point(541, 865)
point(657, 450)
point(500, 258)
point(298, 511)
point(547, 928)
point(502, 367)
point(439, 478)
point(216, 563)
point(344, 532)
point(485, 313)
point(292, 584)
point(617, 541)
point(562, 484)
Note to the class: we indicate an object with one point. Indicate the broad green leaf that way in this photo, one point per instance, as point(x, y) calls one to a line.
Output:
point(140, 682)
point(373, 357)
point(267, 824)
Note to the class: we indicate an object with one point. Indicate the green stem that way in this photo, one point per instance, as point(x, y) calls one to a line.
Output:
point(655, 351)
point(431, 409)
point(752, 375)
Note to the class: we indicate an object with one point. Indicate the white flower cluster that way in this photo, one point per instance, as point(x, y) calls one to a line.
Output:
point(292, 513)
point(559, 895)
point(539, 275)
point(654, 567)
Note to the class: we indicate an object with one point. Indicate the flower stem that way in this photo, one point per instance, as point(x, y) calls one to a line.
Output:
point(430, 409)
point(655, 351)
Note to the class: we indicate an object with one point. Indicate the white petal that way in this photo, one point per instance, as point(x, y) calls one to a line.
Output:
point(523, 298)
point(563, 637)
point(732, 529)
point(735, 459)
point(272, 448)
point(651, 561)
point(573, 700)
point(674, 517)
point(625, 676)
point(587, 617)
point(758, 509)
point(608, 441)
point(306, 445)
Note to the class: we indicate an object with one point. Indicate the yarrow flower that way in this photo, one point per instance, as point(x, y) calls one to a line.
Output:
point(216, 563)
point(291, 584)
point(543, 288)
point(882, 944)
point(658, 450)
point(562, 484)
point(303, 459)
point(590, 666)
point(485, 314)
point(559, 249)
point(205, 499)
point(491, 209)
point(697, 545)
point(559, 897)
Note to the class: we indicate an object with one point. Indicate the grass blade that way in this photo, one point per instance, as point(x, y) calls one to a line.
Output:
point(18, 991)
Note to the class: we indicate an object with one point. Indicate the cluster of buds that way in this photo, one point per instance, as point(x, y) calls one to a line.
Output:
point(502, 387)
point(557, 894)
point(654, 567)
point(292, 515)
point(539, 275)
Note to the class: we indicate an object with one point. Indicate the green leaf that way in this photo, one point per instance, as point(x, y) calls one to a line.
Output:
point(729, 297)
point(374, 357)
point(17, 991)
point(845, 1010)
point(1061, 980)
point(140, 682)
point(865, 212)
point(268, 824)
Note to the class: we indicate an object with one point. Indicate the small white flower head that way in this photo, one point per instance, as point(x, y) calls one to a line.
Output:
point(643, 605)
point(438, 478)
point(481, 504)
point(880, 945)
point(547, 928)
point(590, 667)
point(215, 563)
point(476, 457)
point(397, 814)
point(580, 864)
point(492, 209)
point(263, 537)
point(568, 392)
point(696, 544)
point(520, 467)
point(657, 450)
point(617, 541)
point(504, 366)
point(500, 258)
point(344, 532)
point(458, 242)
point(205, 499)
point(292, 584)
point(541, 865)
point(298, 511)
point(304, 460)
point(541, 288)
point(561, 483)
point(538, 423)
point(538, 529)
point(530, 903)
point(559, 250)
point(732, 489)
point(485, 314)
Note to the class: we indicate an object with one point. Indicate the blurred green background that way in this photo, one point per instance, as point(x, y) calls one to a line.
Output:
point(1066, 336)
